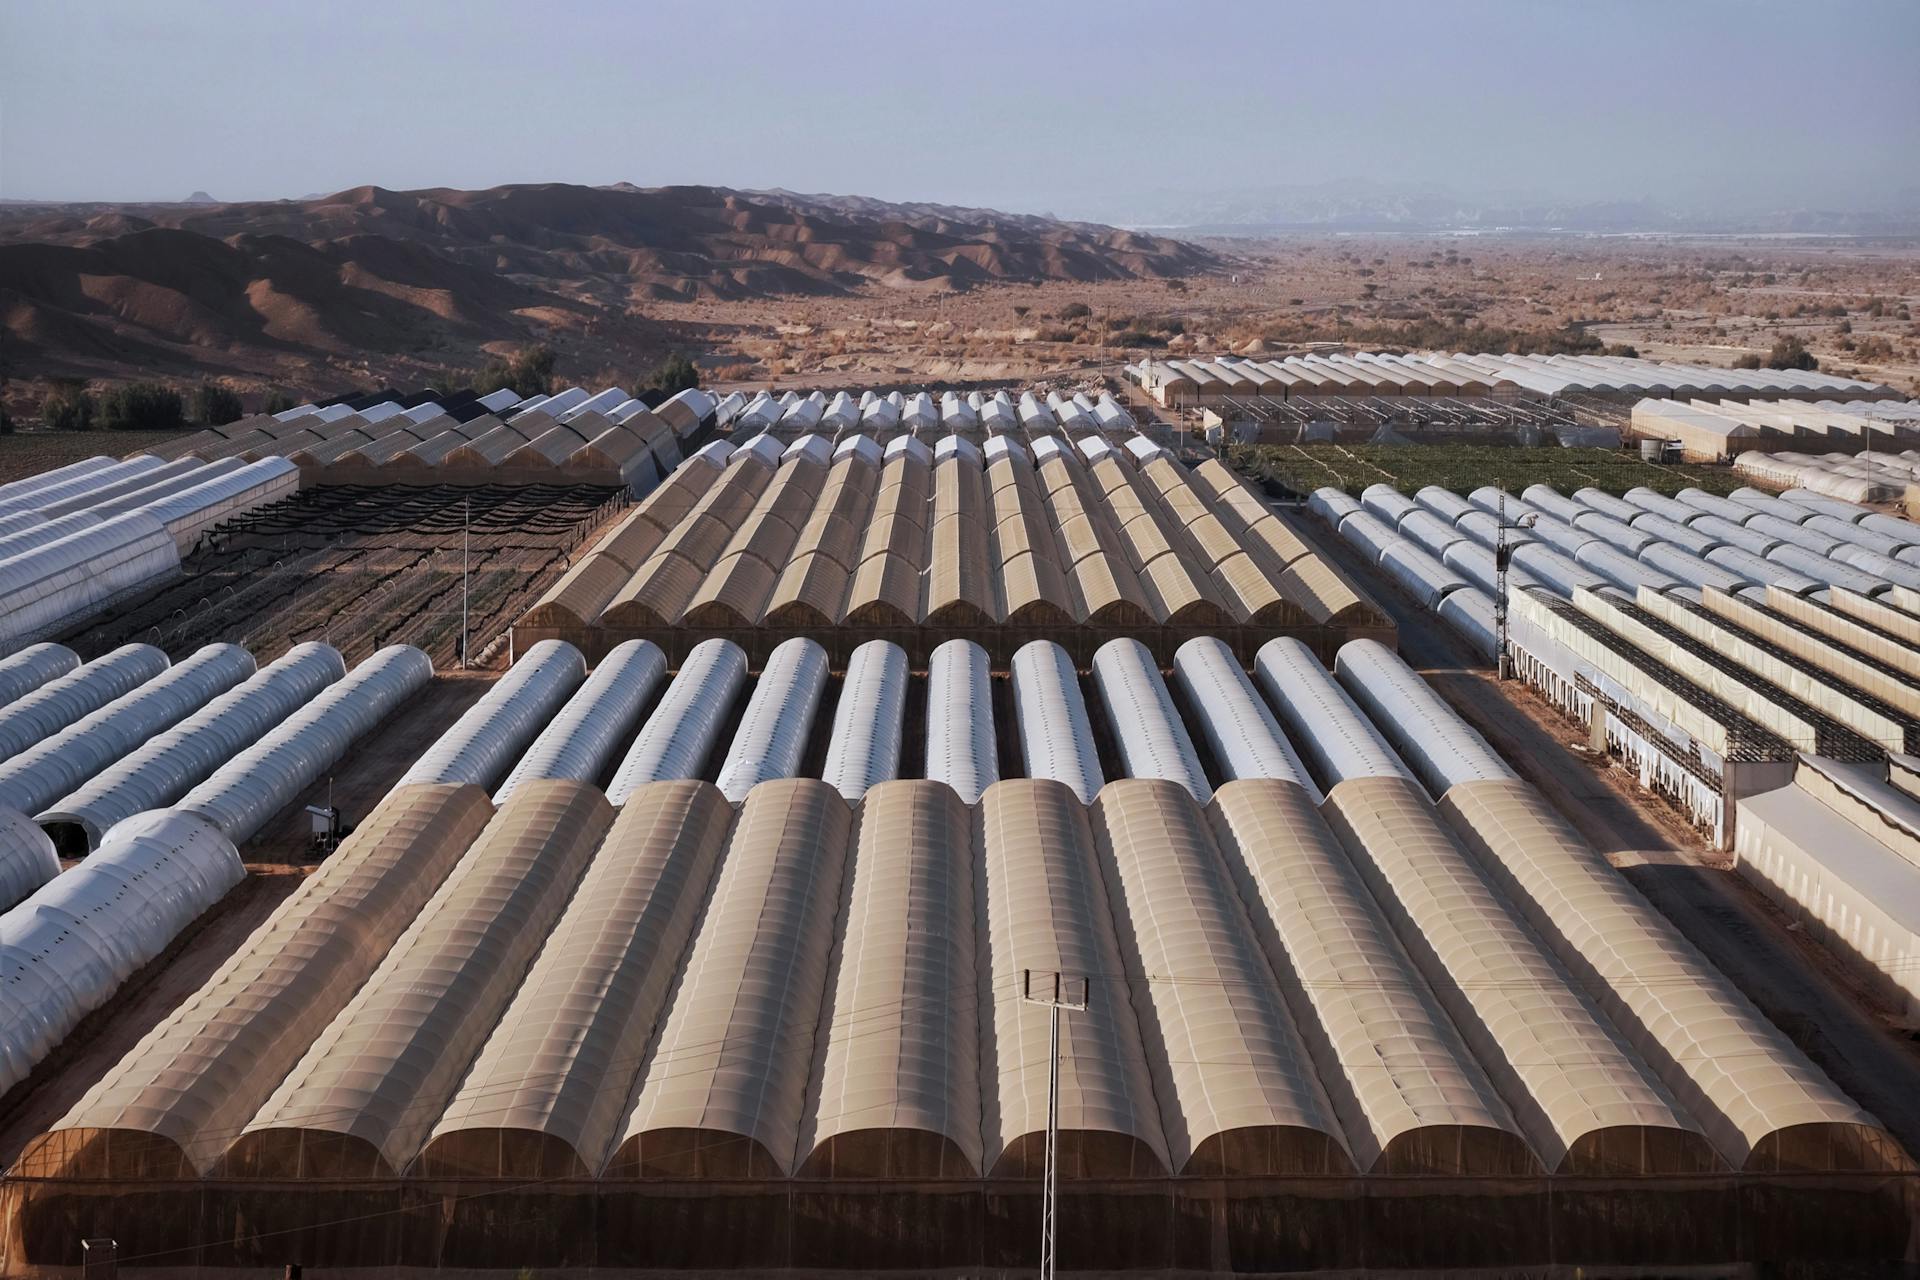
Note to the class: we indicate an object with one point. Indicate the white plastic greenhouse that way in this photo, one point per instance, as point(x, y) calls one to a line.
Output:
point(190, 512)
point(1240, 729)
point(54, 766)
point(779, 716)
point(45, 590)
point(27, 857)
point(489, 737)
point(69, 946)
point(594, 723)
point(1335, 737)
point(33, 667)
point(1056, 737)
point(169, 764)
point(680, 735)
point(249, 789)
point(961, 749)
point(1153, 741)
point(39, 715)
point(1440, 747)
point(864, 747)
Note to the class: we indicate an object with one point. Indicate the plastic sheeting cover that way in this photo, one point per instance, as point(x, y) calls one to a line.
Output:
point(680, 735)
point(1441, 748)
point(1153, 741)
point(1240, 729)
point(66, 950)
point(779, 717)
point(166, 766)
point(961, 747)
point(61, 701)
point(33, 667)
point(864, 748)
point(260, 781)
point(54, 767)
point(1056, 736)
point(1334, 735)
point(481, 744)
point(587, 731)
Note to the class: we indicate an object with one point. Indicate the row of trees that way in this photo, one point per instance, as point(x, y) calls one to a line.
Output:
point(530, 372)
point(135, 406)
point(71, 405)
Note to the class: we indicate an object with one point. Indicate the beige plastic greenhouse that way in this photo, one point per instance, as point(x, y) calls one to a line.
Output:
point(1047, 913)
point(1238, 1091)
point(1763, 1104)
point(724, 1087)
point(895, 1087)
point(551, 1082)
point(361, 1101)
point(170, 1107)
point(1595, 1107)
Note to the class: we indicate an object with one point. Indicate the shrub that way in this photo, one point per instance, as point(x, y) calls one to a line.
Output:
point(1075, 311)
point(68, 406)
point(527, 372)
point(675, 373)
point(1791, 353)
point(1746, 362)
point(215, 405)
point(6, 421)
point(142, 406)
point(1621, 349)
point(278, 402)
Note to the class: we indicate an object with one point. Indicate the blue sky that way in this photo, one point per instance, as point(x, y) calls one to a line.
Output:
point(1078, 108)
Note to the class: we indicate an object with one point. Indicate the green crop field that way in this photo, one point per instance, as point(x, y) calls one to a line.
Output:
point(1462, 468)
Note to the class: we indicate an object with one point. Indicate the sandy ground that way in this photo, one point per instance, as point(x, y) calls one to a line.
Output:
point(1801, 986)
point(277, 863)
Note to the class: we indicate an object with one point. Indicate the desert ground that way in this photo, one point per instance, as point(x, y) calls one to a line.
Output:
point(1706, 301)
point(1048, 305)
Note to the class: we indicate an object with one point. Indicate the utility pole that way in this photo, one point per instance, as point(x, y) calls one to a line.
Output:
point(1053, 994)
point(466, 526)
point(1502, 557)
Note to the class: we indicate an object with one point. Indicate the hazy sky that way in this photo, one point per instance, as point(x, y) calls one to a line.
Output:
point(1085, 109)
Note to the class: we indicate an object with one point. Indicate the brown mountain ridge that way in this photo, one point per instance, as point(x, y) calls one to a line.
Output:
point(428, 278)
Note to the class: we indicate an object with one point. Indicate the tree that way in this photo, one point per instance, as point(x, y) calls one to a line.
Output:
point(142, 406)
point(6, 421)
point(1748, 361)
point(68, 406)
point(1791, 353)
point(527, 372)
point(215, 405)
point(675, 374)
point(278, 402)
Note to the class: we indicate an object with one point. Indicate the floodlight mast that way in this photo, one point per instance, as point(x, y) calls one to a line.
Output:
point(1502, 556)
point(1053, 992)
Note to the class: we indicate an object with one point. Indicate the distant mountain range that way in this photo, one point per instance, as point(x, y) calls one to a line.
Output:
point(1369, 206)
point(373, 276)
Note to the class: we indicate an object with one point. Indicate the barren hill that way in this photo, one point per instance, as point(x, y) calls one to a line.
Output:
point(392, 280)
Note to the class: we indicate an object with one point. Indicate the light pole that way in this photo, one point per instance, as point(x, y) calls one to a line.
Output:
point(466, 525)
point(1502, 556)
point(1054, 996)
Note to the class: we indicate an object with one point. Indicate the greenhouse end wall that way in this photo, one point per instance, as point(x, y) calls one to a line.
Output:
point(1190, 1225)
